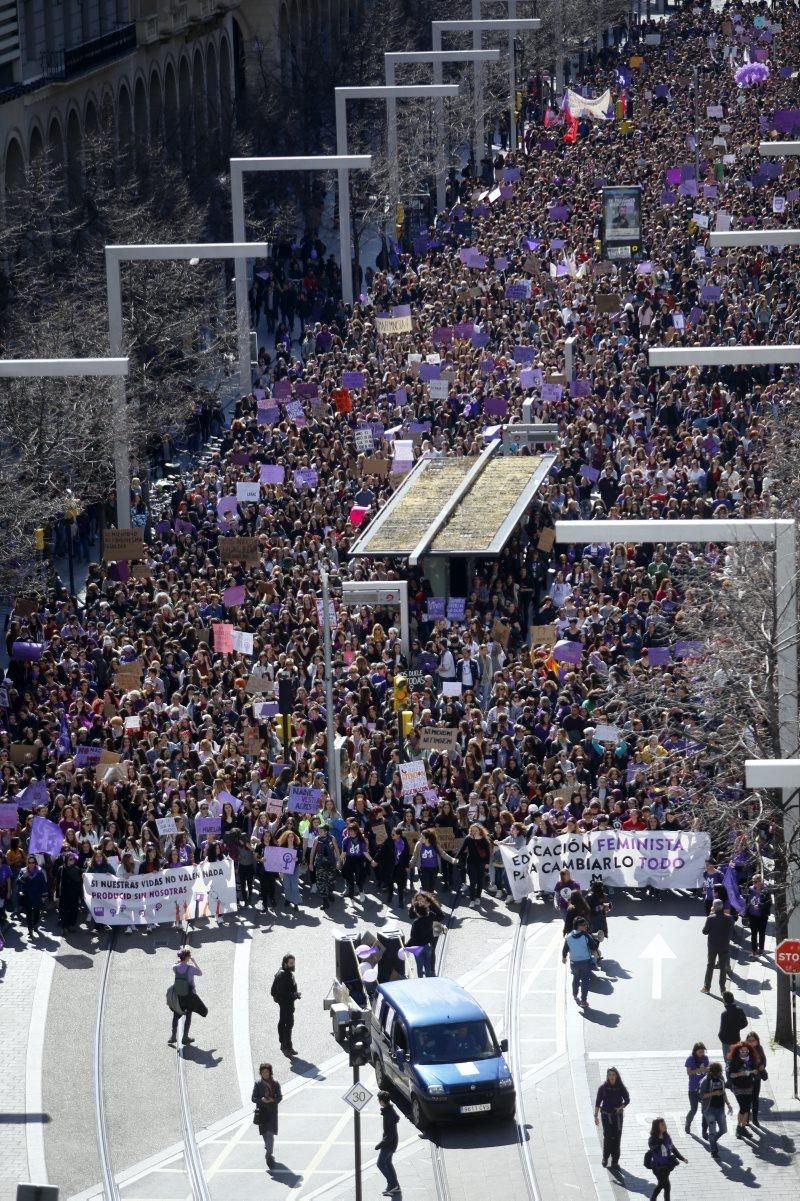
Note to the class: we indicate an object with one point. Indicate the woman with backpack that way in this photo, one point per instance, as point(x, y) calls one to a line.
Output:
point(661, 1157)
point(324, 862)
point(711, 1093)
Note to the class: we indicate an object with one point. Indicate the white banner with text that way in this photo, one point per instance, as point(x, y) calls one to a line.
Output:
point(181, 893)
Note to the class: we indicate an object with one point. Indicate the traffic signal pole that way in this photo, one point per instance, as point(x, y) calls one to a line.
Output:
point(357, 1140)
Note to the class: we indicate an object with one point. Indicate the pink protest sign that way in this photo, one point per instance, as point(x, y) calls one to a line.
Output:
point(223, 637)
point(357, 514)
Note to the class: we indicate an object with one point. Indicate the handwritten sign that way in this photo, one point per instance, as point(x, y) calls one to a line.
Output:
point(238, 550)
point(303, 800)
point(437, 738)
point(122, 545)
point(282, 860)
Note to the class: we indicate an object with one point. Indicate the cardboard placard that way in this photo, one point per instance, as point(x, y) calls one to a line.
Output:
point(122, 545)
point(379, 830)
point(129, 675)
point(500, 632)
point(140, 571)
point(25, 605)
point(259, 685)
point(238, 550)
point(543, 635)
point(375, 466)
point(412, 838)
point(608, 302)
point(20, 752)
point(547, 539)
point(438, 738)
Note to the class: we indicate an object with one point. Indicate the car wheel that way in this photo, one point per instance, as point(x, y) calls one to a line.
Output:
point(417, 1116)
point(380, 1075)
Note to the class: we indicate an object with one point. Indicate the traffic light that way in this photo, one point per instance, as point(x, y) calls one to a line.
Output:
point(406, 722)
point(283, 724)
point(358, 1044)
point(399, 220)
point(38, 538)
point(400, 689)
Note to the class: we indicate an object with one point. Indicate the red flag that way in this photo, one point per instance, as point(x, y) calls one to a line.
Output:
point(548, 117)
point(572, 127)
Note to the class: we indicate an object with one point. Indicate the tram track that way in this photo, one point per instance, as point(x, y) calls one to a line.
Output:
point(195, 1171)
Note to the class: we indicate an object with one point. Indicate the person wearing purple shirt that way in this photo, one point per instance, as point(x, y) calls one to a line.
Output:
point(564, 889)
point(609, 1107)
point(662, 1158)
point(696, 1068)
point(712, 879)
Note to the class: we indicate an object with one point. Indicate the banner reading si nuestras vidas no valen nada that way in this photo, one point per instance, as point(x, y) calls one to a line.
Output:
point(203, 890)
point(620, 858)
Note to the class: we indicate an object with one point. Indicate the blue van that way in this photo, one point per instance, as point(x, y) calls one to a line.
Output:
point(435, 1045)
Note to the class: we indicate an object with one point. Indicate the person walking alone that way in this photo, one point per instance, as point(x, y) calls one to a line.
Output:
point(609, 1108)
point(662, 1158)
point(284, 993)
point(33, 892)
point(184, 1000)
point(266, 1098)
point(388, 1145)
point(580, 947)
point(718, 931)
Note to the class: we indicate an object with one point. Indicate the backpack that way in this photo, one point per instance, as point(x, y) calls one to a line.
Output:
point(648, 1159)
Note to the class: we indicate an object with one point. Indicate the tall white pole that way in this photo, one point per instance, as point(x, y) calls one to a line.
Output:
point(119, 402)
point(438, 109)
point(333, 766)
point(345, 232)
point(559, 41)
point(512, 112)
point(477, 39)
point(391, 123)
point(240, 265)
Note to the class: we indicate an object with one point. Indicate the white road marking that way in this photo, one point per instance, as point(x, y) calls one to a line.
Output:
point(242, 1053)
point(657, 950)
point(34, 1059)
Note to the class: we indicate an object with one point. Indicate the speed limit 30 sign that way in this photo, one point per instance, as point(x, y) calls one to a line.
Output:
point(787, 956)
point(358, 1096)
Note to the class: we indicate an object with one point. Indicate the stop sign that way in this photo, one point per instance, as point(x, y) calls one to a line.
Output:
point(787, 955)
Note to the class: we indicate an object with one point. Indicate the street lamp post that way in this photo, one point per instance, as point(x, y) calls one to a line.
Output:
point(780, 534)
point(114, 256)
point(342, 95)
point(437, 58)
point(330, 729)
point(299, 162)
point(477, 28)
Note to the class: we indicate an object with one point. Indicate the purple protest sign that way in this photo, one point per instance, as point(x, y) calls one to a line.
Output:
point(580, 387)
point(240, 458)
point(710, 292)
point(265, 710)
point(268, 416)
point(281, 389)
point(558, 212)
point(429, 371)
point(352, 379)
point(511, 174)
point(710, 191)
point(464, 330)
point(282, 860)
point(455, 608)
point(87, 756)
point(495, 406)
point(524, 354)
point(436, 608)
point(227, 798)
point(657, 656)
point(46, 838)
point(518, 291)
point(307, 391)
point(34, 795)
point(479, 339)
point(25, 652)
point(9, 816)
point(271, 473)
point(401, 397)
point(552, 392)
point(305, 477)
point(527, 377)
point(486, 366)
point(442, 335)
point(672, 175)
point(565, 651)
point(203, 826)
point(500, 264)
point(589, 473)
point(771, 170)
point(688, 187)
point(668, 197)
point(233, 596)
point(303, 800)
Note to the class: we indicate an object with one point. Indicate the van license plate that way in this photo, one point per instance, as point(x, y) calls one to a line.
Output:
point(475, 1108)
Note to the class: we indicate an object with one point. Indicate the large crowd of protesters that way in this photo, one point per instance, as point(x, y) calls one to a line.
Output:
point(685, 443)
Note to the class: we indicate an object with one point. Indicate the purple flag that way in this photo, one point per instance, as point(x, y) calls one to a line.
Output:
point(590, 473)
point(496, 406)
point(731, 886)
point(25, 651)
point(566, 651)
point(657, 656)
point(35, 794)
point(46, 838)
point(64, 740)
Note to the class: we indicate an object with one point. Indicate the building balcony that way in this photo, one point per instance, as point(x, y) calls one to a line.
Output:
point(60, 65)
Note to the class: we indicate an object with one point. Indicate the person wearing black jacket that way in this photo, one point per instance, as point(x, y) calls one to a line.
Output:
point(388, 1145)
point(267, 1097)
point(758, 908)
point(284, 993)
point(718, 930)
point(731, 1023)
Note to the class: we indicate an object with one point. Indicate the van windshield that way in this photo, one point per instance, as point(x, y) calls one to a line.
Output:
point(454, 1044)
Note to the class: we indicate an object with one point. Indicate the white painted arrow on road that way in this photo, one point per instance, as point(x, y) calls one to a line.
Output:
point(657, 950)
